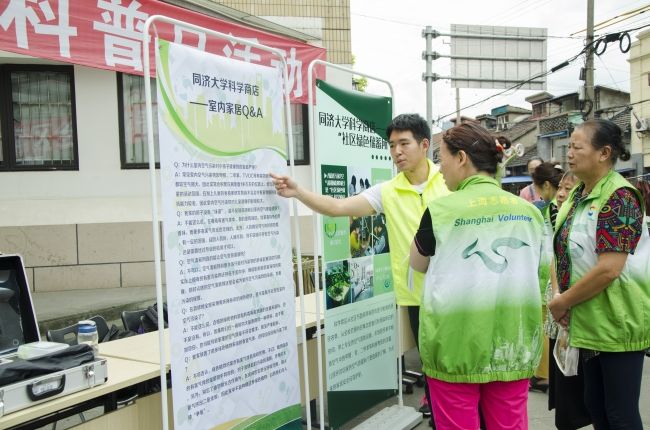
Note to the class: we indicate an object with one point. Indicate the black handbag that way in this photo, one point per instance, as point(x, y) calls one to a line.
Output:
point(21, 370)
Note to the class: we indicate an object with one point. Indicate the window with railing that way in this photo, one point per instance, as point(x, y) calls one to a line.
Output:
point(38, 130)
point(132, 115)
point(133, 126)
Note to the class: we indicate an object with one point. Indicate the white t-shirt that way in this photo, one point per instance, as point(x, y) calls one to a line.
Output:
point(373, 195)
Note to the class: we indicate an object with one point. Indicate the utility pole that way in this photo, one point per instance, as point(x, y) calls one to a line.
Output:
point(590, 94)
point(458, 106)
point(428, 33)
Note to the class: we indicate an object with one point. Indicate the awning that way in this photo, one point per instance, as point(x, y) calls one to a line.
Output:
point(563, 133)
point(108, 35)
point(626, 170)
point(516, 179)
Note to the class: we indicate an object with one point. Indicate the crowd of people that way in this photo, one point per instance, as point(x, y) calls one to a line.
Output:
point(573, 252)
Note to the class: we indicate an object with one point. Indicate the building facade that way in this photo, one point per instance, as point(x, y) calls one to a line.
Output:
point(326, 20)
point(559, 116)
point(639, 96)
point(76, 199)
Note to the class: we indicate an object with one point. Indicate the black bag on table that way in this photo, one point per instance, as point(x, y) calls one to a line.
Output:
point(21, 370)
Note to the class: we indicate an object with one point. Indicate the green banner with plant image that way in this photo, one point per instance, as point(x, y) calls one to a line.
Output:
point(352, 155)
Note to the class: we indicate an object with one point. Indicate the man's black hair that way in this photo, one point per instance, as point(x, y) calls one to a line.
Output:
point(410, 122)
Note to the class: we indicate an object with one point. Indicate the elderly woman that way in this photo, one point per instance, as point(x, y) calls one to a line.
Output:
point(480, 317)
point(546, 180)
point(602, 258)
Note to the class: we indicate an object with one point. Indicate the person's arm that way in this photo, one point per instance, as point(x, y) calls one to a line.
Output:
point(423, 245)
point(418, 262)
point(351, 206)
point(606, 270)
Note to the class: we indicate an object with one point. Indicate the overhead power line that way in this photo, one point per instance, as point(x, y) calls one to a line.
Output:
point(411, 24)
point(617, 19)
point(543, 74)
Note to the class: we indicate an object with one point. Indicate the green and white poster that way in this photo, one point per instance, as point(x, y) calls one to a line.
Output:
point(227, 243)
point(352, 155)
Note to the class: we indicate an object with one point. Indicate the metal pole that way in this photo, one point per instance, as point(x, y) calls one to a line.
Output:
point(589, 77)
point(153, 184)
point(458, 106)
point(427, 77)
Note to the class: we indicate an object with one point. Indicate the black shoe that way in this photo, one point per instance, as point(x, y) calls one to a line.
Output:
point(536, 384)
point(425, 410)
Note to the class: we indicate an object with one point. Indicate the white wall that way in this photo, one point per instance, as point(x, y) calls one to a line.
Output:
point(100, 191)
point(639, 91)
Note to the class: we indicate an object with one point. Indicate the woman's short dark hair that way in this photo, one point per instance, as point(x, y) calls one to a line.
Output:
point(410, 122)
point(551, 172)
point(479, 145)
point(607, 133)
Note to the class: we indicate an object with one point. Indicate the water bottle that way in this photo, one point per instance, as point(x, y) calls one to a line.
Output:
point(88, 334)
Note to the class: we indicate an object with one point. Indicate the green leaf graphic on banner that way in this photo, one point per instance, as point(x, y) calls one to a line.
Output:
point(330, 229)
point(214, 132)
point(285, 419)
point(357, 103)
point(352, 154)
point(494, 266)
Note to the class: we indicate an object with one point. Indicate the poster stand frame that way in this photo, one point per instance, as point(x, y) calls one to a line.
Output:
point(316, 227)
point(154, 192)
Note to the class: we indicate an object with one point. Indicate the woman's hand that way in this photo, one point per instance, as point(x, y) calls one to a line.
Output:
point(559, 310)
point(284, 185)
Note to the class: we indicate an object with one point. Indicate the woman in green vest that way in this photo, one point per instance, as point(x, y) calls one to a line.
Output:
point(480, 316)
point(546, 181)
point(565, 393)
point(602, 260)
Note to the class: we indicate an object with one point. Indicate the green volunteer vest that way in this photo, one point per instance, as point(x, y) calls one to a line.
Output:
point(547, 250)
point(480, 317)
point(618, 319)
point(404, 207)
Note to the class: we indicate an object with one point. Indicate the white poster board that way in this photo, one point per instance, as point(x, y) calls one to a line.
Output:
point(227, 243)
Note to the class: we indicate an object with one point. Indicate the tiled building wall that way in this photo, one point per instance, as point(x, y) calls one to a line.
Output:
point(334, 20)
point(98, 255)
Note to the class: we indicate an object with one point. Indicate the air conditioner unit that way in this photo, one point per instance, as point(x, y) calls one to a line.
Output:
point(643, 124)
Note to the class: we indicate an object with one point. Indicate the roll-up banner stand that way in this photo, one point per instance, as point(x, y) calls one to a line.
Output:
point(351, 153)
point(222, 127)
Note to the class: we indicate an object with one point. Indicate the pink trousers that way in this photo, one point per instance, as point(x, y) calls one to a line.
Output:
point(503, 404)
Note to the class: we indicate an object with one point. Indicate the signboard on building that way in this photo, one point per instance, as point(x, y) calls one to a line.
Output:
point(227, 243)
point(484, 56)
point(108, 35)
point(360, 343)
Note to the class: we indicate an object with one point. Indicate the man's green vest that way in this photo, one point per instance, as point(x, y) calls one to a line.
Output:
point(403, 208)
point(480, 318)
point(617, 319)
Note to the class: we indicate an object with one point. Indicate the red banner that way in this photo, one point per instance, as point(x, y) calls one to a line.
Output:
point(107, 34)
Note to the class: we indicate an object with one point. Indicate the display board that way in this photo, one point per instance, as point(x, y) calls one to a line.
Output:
point(496, 57)
point(360, 341)
point(227, 242)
